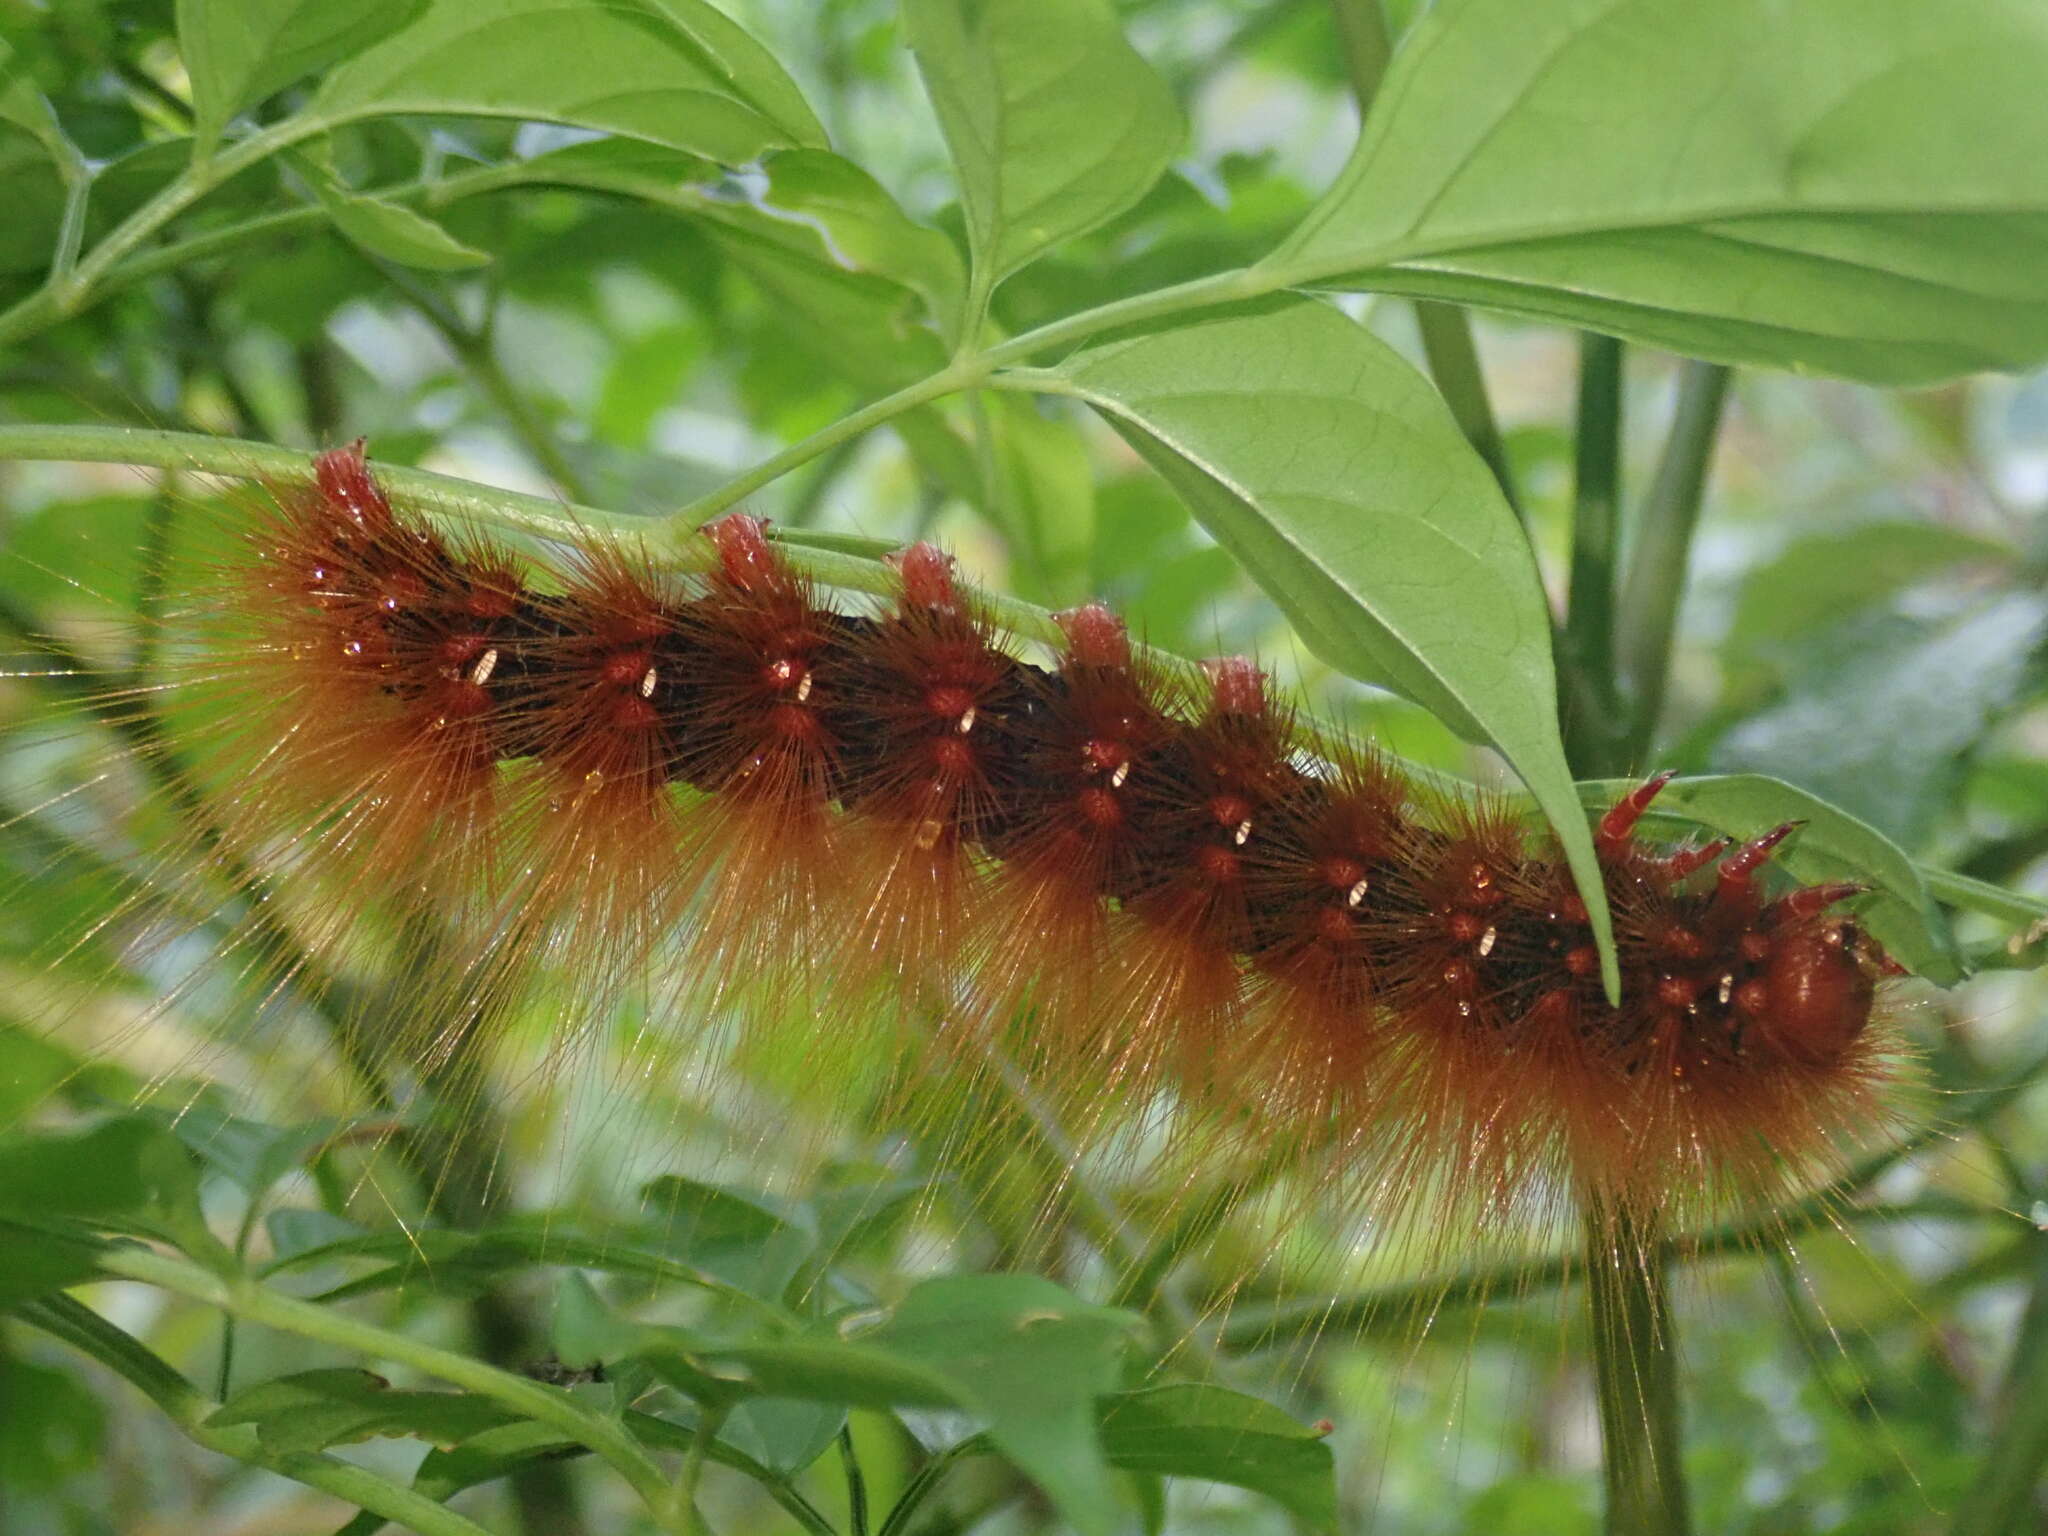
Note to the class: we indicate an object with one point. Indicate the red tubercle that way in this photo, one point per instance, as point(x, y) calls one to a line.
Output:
point(1735, 890)
point(1236, 686)
point(1095, 637)
point(344, 479)
point(1617, 831)
point(927, 575)
point(745, 557)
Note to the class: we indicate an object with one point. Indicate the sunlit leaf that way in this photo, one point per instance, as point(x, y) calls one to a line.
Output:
point(1833, 185)
point(1338, 479)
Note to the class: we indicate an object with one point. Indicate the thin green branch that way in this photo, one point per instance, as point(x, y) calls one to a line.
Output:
point(1828, 1208)
point(1454, 364)
point(1635, 1371)
point(77, 1325)
point(2005, 1495)
point(1655, 585)
point(856, 1483)
point(252, 1302)
point(1595, 730)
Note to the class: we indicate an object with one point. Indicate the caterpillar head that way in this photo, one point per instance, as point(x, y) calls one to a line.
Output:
point(1822, 982)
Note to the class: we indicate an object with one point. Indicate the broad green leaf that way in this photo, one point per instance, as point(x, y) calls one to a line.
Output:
point(237, 52)
point(125, 1175)
point(312, 1410)
point(1881, 721)
point(1188, 1430)
point(1016, 1351)
point(1335, 475)
point(23, 106)
point(673, 72)
point(44, 1257)
point(1833, 184)
point(1820, 580)
point(32, 192)
point(396, 233)
point(735, 1236)
point(1832, 845)
point(1054, 121)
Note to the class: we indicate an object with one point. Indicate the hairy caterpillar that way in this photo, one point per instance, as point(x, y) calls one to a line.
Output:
point(1142, 882)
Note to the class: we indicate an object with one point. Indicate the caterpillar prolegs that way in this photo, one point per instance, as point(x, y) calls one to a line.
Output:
point(1143, 881)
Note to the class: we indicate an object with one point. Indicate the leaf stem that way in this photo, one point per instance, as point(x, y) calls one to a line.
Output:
point(1655, 585)
point(255, 1303)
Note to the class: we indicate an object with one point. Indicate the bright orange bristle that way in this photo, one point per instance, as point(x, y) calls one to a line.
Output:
point(1145, 883)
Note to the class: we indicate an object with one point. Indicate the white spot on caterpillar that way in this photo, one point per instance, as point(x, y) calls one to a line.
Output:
point(1727, 989)
point(1464, 1010)
point(1487, 940)
point(1243, 834)
point(486, 664)
point(1355, 897)
point(803, 687)
point(966, 721)
point(927, 835)
point(647, 683)
point(1123, 771)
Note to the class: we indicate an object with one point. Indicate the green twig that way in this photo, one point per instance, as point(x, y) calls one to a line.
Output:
point(255, 1303)
point(1655, 585)
point(77, 1325)
point(1827, 1208)
point(1635, 1369)
point(2004, 1496)
point(1595, 730)
point(856, 1482)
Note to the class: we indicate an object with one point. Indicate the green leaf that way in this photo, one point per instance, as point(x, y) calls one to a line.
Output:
point(44, 1257)
point(1017, 1351)
point(1054, 121)
point(1830, 185)
point(1335, 475)
point(312, 1410)
point(32, 191)
point(1883, 728)
point(730, 1234)
point(1833, 845)
point(1187, 1430)
point(394, 232)
point(237, 52)
point(1818, 581)
point(253, 1154)
point(23, 106)
point(125, 1175)
point(671, 72)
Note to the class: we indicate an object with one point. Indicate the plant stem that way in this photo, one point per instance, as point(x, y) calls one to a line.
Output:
point(856, 1483)
point(2003, 1497)
point(1595, 731)
point(256, 1303)
point(73, 1323)
point(1655, 586)
point(1635, 1367)
point(1454, 364)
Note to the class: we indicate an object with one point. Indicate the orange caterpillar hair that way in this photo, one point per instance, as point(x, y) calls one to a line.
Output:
point(1142, 881)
